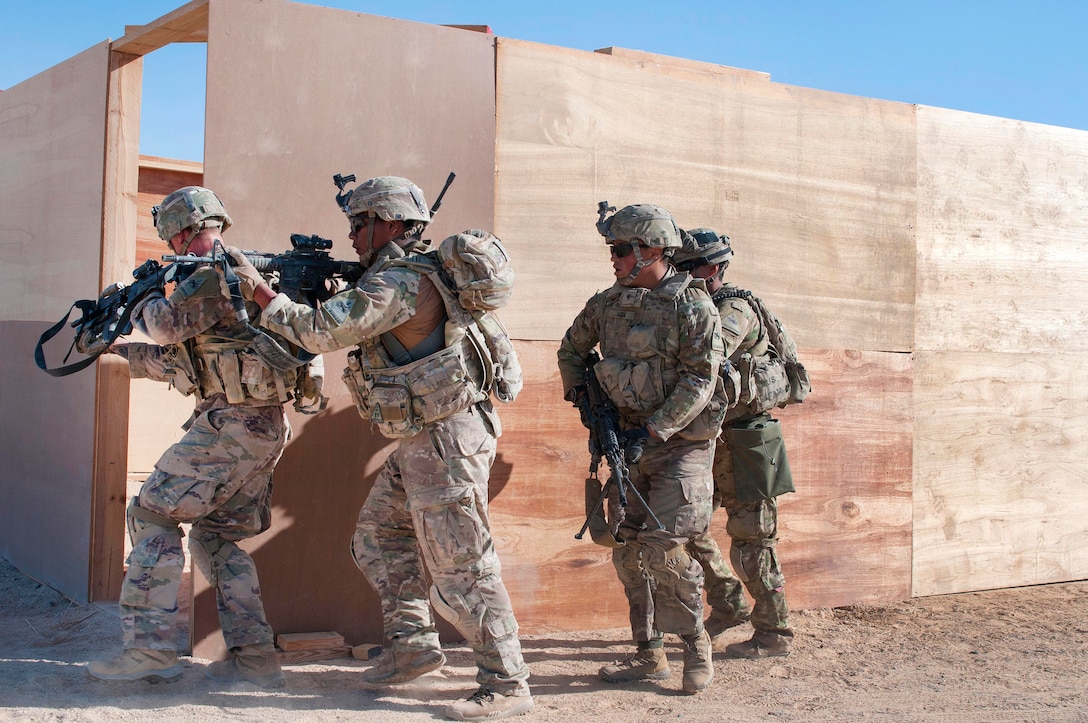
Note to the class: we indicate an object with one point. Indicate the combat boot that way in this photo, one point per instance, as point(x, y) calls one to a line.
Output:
point(645, 664)
point(698, 663)
point(154, 666)
point(762, 645)
point(400, 666)
point(258, 664)
point(487, 704)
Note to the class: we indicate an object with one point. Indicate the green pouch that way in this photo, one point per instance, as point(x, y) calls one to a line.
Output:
point(760, 467)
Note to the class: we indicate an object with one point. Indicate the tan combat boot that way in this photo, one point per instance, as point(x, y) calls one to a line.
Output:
point(155, 666)
point(646, 664)
point(400, 666)
point(762, 645)
point(698, 663)
point(486, 704)
point(258, 664)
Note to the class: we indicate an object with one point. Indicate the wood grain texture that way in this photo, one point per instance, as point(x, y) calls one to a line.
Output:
point(119, 211)
point(1002, 235)
point(816, 189)
point(845, 536)
point(297, 93)
point(187, 24)
point(1001, 490)
point(52, 136)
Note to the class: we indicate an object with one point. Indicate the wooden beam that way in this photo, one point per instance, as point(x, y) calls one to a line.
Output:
point(187, 24)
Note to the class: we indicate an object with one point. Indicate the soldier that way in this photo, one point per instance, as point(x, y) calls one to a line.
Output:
point(430, 499)
point(660, 343)
point(218, 477)
point(752, 525)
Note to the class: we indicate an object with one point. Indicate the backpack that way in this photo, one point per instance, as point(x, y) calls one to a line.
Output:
point(778, 380)
point(475, 267)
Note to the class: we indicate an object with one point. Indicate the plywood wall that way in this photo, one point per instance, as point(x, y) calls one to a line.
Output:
point(52, 145)
point(296, 94)
point(1001, 431)
point(816, 190)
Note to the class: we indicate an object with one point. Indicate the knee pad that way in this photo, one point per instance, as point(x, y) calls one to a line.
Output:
point(449, 613)
point(209, 553)
point(143, 524)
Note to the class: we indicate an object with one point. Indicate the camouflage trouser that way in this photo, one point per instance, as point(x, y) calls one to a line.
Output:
point(426, 512)
point(219, 478)
point(663, 583)
point(753, 529)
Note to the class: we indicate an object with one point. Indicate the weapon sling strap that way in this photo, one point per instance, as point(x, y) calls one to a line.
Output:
point(108, 339)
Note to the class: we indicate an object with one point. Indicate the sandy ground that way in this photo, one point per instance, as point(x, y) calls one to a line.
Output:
point(1007, 655)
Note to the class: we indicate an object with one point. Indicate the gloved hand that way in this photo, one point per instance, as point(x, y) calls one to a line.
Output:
point(248, 276)
point(580, 399)
point(632, 441)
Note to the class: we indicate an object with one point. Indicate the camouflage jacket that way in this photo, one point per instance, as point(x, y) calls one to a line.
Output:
point(742, 330)
point(661, 351)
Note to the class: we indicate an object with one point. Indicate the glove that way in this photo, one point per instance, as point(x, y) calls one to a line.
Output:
point(248, 276)
point(580, 399)
point(632, 441)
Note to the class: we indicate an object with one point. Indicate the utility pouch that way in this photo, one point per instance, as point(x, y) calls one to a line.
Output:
point(599, 528)
point(761, 469)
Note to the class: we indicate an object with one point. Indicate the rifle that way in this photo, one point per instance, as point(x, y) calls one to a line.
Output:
point(602, 418)
point(304, 271)
point(107, 317)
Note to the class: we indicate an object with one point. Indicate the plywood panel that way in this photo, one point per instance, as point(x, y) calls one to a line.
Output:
point(52, 142)
point(816, 189)
point(845, 535)
point(1003, 235)
point(297, 93)
point(52, 131)
point(1000, 474)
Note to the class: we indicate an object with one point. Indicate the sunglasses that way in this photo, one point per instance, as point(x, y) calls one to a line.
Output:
point(621, 251)
point(359, 222)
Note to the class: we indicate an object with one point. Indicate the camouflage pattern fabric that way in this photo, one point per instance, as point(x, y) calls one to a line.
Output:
point(672, 336)
point(430, 499)
point(218, 477)
point(724, 592)
point(663, 583)
point(428, 511)
point(752, 527)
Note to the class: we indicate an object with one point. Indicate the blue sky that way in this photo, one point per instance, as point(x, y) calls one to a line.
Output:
point(1018, 60)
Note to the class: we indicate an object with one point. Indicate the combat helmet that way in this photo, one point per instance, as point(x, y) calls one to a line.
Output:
point(189, 207)
point(702, 246)
point(641, 223)
point(390, 198)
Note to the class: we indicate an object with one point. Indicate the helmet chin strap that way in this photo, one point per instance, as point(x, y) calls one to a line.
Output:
point(640, 264)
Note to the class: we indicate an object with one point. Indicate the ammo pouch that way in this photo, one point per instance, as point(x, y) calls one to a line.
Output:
point(629, 384)
point(761, 469)
point(401, 400)
point(764, 385)
point(233, 369)
point(171, 364)
point(799, 384)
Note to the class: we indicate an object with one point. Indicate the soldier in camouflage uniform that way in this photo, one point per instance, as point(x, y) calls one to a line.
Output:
point(414, 374)
point(660, 343)
point(218, 477)
point(752, 526)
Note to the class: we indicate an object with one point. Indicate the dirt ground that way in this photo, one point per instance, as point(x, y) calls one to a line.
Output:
point(1006, 655)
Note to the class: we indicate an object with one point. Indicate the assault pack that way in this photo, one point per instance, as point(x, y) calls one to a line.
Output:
point(777, 379)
